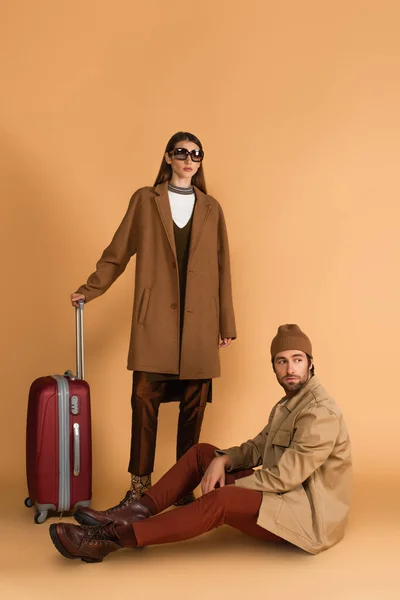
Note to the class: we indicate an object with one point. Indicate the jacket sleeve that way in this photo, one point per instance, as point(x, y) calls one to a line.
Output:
point(227, 324)
point(115, 257)
point(249, 454)
point(316, 431)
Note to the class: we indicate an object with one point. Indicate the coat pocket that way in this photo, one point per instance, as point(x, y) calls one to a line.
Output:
point(282, 438)
point(295, 513)
point(143, 306)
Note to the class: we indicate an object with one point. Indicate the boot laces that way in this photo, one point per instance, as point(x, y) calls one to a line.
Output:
point(98, 534)
point(126, 500)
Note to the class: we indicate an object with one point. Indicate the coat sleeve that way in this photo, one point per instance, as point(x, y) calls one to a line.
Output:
point(227, 324)
point(115, 257)
point(249, 454)
point(316, 431)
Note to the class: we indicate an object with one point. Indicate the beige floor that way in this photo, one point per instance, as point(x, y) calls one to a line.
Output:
point(222, 564)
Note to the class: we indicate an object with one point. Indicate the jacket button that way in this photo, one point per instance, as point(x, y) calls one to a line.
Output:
point(173, 305)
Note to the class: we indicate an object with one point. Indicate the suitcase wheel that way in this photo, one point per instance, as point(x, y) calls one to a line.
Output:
point(28, 502)
point(40, 516)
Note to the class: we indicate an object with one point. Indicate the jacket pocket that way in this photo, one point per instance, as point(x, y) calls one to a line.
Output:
point(295, 515)
point(143, 306)
point(282, 438)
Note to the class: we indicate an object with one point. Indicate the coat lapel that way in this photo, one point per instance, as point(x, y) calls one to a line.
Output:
point(201, 211)
point(164, 208)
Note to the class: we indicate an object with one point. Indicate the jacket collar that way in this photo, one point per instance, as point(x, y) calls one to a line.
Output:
point(301, 397)
point(201, 210)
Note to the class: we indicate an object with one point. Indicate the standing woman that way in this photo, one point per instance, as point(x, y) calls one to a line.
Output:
point(183, 310)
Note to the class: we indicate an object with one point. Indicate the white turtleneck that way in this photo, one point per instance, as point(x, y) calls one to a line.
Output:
point(181, 207)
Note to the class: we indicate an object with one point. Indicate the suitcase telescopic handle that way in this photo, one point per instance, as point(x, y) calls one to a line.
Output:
point(80, 363)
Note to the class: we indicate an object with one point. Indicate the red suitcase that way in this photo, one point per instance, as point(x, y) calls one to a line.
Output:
point(58, 439)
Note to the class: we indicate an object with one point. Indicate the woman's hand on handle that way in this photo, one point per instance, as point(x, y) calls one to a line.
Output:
point(75, 299)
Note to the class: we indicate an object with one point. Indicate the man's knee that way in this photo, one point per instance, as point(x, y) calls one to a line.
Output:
point(204, 447)
point(204, 453)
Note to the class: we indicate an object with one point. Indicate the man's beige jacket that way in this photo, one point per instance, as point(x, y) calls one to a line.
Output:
point(306, 469)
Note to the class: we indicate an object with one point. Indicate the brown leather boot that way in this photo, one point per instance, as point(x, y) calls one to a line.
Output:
point(127, 511)
point(90, 544)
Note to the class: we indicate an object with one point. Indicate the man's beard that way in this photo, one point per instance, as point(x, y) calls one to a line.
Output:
point(293, 386)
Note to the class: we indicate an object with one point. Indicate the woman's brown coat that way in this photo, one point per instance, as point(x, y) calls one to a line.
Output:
point(147, 231)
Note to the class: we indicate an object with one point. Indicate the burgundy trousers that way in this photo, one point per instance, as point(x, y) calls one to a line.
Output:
point(147, 396)
point(234, 506)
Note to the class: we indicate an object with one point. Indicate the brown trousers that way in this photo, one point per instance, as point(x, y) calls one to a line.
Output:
point(146, 399)
point(234, 506)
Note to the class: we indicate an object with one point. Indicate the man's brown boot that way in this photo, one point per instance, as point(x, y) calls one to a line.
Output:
point(90, 544)
point(129, 510)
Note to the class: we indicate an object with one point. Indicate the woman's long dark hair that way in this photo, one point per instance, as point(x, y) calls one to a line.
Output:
point(165, 172)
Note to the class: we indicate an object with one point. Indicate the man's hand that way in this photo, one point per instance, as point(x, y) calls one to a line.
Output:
point(215, 473)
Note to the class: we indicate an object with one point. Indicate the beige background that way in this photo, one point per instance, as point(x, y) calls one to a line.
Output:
point(297, 105)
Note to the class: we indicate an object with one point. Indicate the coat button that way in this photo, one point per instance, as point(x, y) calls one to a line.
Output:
point(173, 305)
point(173, 265)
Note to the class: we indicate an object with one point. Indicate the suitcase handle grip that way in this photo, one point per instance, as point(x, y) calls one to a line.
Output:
point(80, 363)
point(77, 450)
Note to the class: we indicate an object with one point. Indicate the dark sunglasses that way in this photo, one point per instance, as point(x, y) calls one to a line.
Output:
point(183, 153)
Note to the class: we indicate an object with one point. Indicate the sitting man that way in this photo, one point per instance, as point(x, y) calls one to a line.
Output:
point(300, 494)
